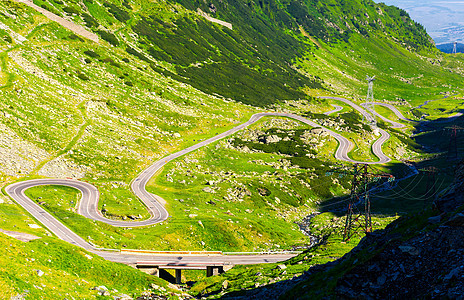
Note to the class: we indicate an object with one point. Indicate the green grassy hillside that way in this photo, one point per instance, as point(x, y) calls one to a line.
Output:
point(163, 77)
point(258, 62)
point(49, 269)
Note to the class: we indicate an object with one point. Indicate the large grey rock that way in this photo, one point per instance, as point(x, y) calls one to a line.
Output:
point(456, 220)
point(410, 250)
point(434, 220)
point(268, 139)
point(208, 190)
point(453, 274)
point(225, 284)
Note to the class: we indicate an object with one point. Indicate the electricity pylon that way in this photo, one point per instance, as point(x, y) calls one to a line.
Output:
point(453, 143)
point(359, 220)
point(370, 98)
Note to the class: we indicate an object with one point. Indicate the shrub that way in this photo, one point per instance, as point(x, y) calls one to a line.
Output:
point(89, 20)
point(111, 62)
point(91, 54)
point(109, 37)
point(119, 14)
point(74, 37)
point(82, 76)
point(70, 10)
point(137, 54)
point(7, 39)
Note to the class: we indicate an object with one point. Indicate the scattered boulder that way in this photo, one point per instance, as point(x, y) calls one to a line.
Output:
point(208, 190)
point(434, 220)
point(212, 8)
point(410, 250)
point(225, 285)
point(456, 220)
point(453, 274)
point(263, 191)
point(102, 290)
point(268, 139)
point(381, 279)
point(123, 297)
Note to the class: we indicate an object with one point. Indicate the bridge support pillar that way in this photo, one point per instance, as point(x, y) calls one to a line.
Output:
point(150, 270)
point(213, 270)
point(178, 276)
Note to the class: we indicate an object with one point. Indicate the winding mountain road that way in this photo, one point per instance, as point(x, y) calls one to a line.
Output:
point(393, 109)
point(88, 206)
point(337, 108)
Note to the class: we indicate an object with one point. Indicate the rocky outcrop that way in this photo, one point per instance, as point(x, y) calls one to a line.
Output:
point(18, 157)
point(268, 139)
point(428, 265)
point(62, 167)
point(415, 257)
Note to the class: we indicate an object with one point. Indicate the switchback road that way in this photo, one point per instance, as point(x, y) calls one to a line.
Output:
point(88, 206)
point(337, 109)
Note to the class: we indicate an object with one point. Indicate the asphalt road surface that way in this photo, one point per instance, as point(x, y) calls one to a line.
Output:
point(393, 109)
point(88, 206)
point(337, 109)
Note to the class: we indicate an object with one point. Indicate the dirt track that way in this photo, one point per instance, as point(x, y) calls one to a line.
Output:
point(77, 29)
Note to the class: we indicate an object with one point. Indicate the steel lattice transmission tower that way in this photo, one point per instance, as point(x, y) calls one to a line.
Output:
point(355, 219)
point(370, 97)
point(455, 48)
point(358, 218)
point(453, 143)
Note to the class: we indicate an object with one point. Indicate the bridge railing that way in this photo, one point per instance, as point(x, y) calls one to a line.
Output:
point(198, 253)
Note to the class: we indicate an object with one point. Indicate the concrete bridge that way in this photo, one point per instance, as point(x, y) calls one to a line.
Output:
point(153, 268)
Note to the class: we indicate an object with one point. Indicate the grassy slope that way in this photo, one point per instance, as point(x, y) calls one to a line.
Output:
point(69, 272)
point(140, 91)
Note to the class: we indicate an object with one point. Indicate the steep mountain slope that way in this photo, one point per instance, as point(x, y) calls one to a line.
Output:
point(164, 77)
point(255, 61)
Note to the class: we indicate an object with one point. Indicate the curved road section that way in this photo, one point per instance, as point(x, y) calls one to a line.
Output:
point(393, 109)
point(337, 108)
point(88, 206)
